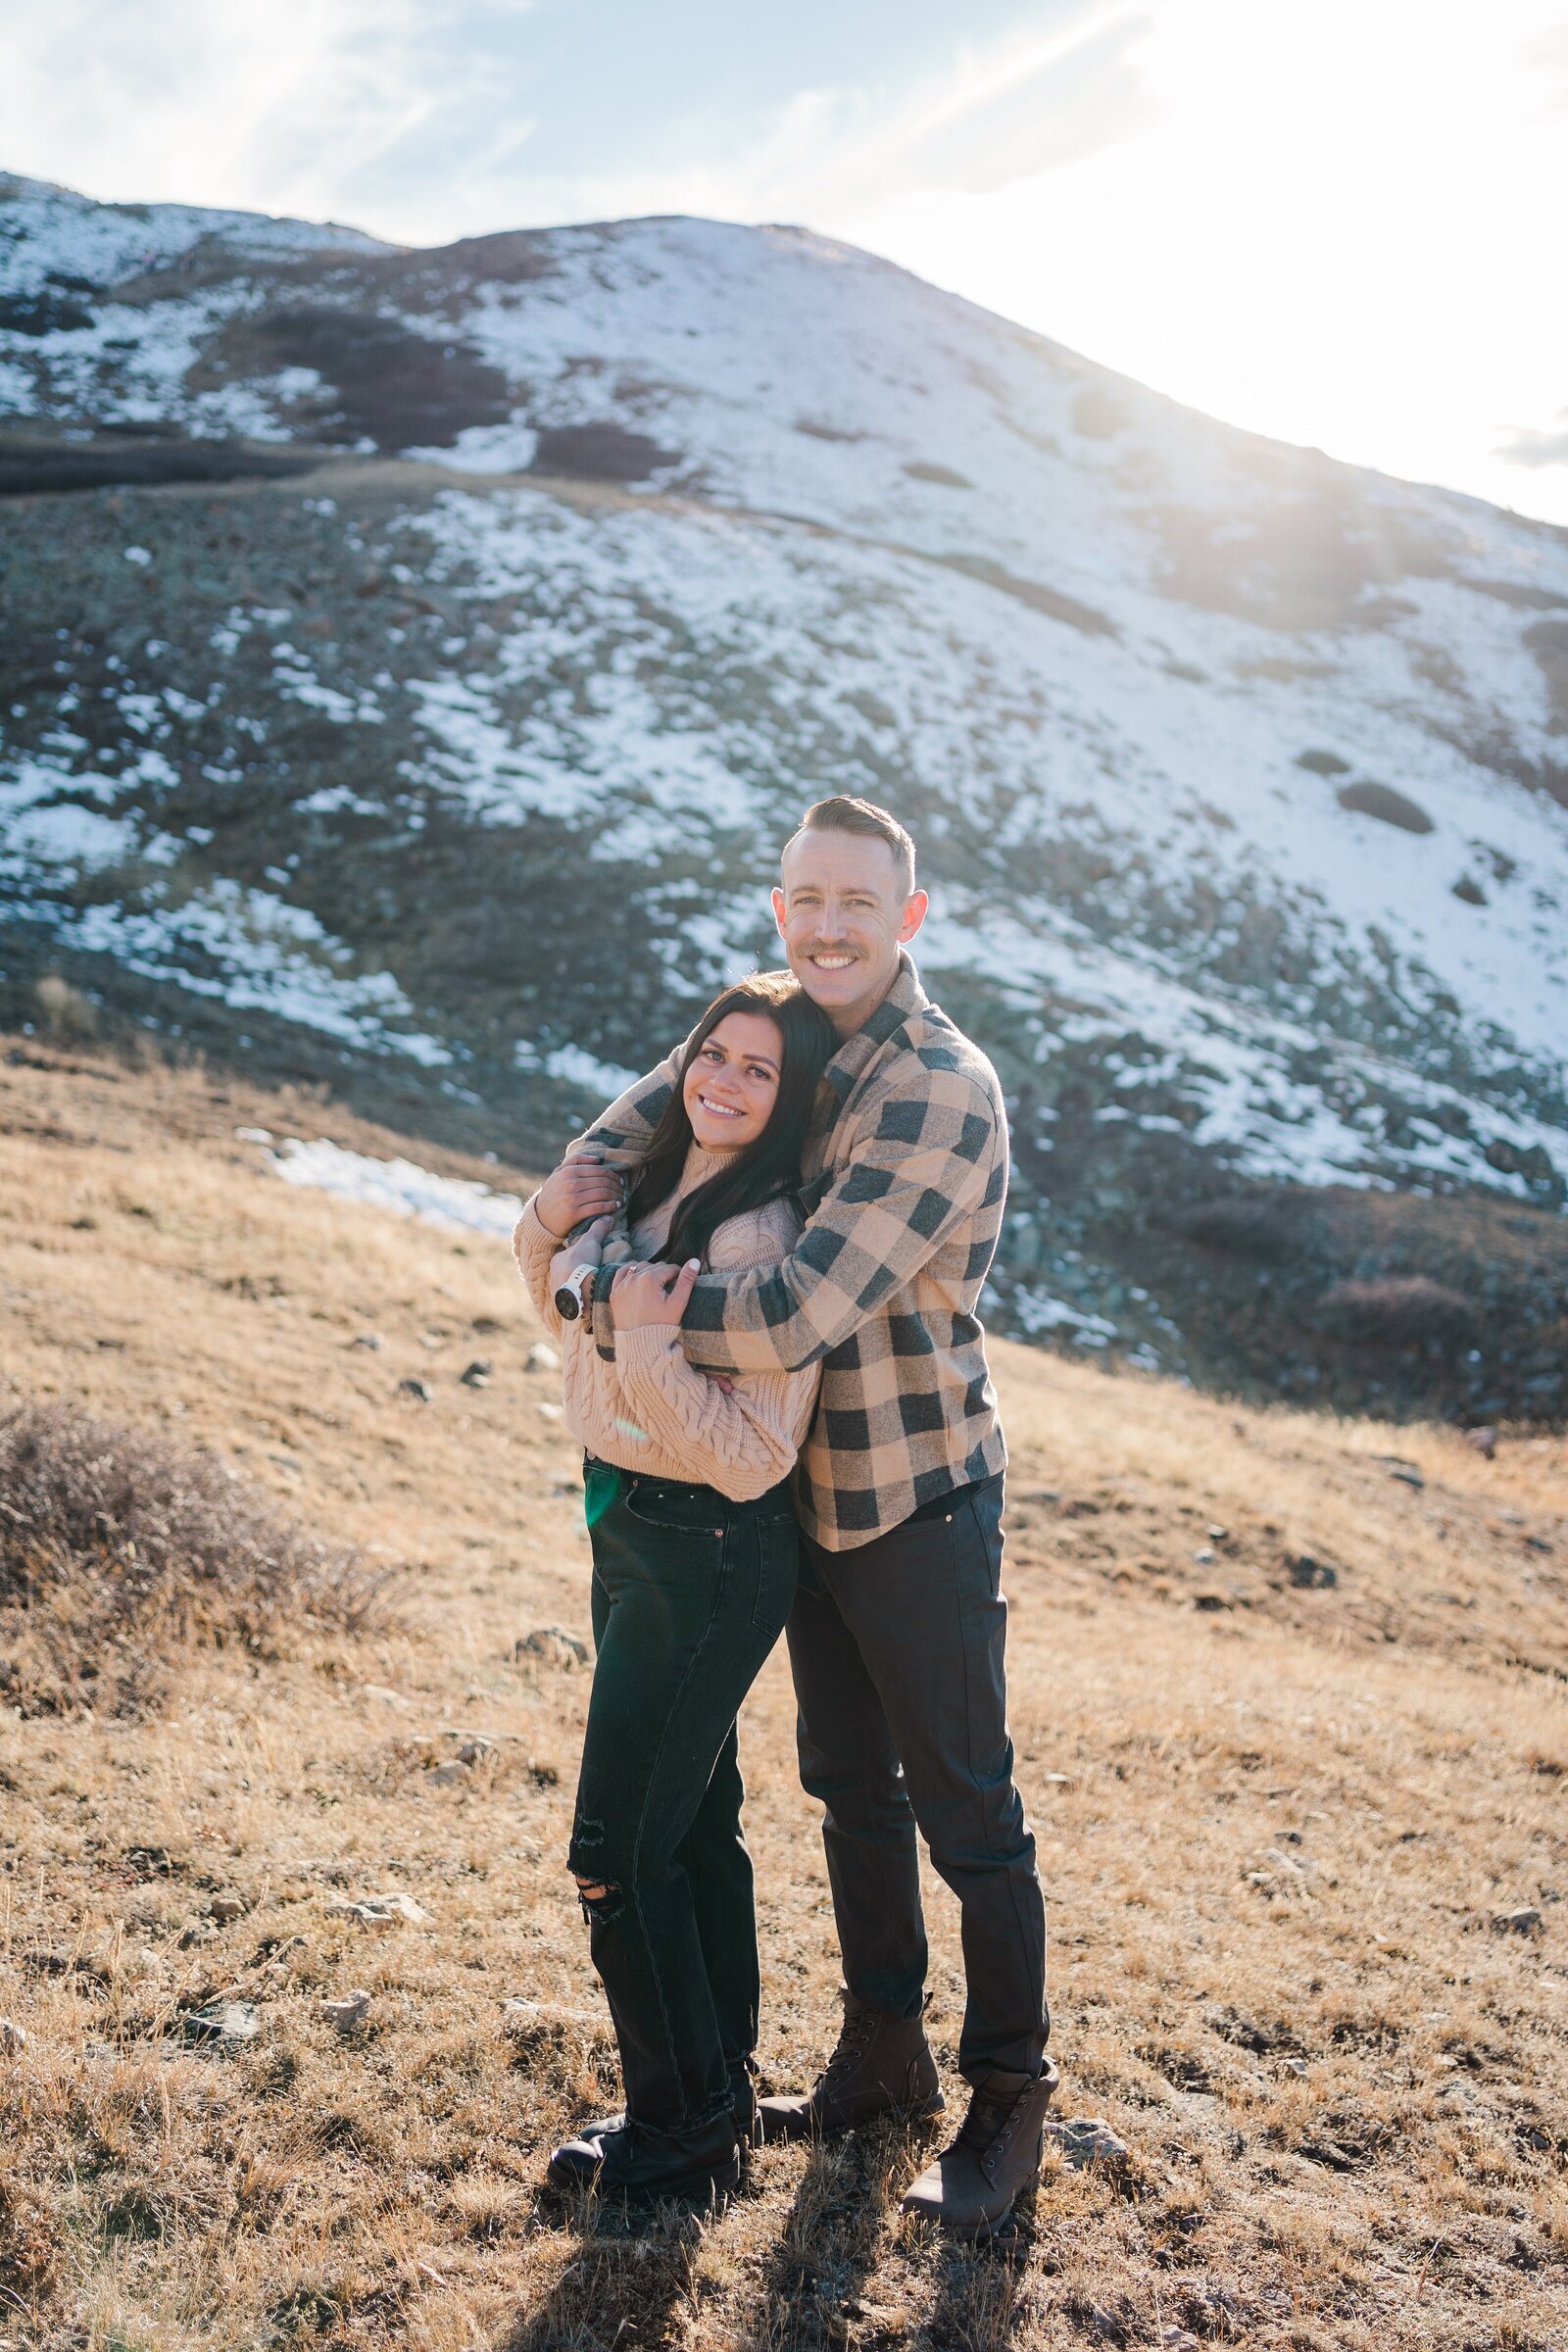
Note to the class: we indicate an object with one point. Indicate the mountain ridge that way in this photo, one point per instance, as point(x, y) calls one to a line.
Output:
point(589, 555)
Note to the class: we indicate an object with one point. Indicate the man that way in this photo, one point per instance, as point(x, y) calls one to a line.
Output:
point(897, 1637)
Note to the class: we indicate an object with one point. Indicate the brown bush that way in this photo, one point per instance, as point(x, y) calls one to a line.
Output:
point(65, 1014)
point(1252, 1226)
point(117, 1546)
point(1399, 1310)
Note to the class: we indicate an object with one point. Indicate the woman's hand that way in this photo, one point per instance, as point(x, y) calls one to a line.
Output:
point(583, 1251)
point(644, 1295)
point(579, 1188)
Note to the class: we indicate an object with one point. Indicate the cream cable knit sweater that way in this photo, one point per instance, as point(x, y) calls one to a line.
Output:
point(649, 1410)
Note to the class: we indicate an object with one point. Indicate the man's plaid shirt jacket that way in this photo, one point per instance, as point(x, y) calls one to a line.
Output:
point(906, 1168)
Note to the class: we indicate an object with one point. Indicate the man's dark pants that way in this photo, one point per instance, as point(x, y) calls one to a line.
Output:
point(897, 1648)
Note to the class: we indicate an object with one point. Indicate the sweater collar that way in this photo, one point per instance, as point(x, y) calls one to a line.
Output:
point(699, 1165)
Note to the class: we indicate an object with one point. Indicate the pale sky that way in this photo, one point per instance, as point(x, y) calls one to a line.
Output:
point(1341, 221)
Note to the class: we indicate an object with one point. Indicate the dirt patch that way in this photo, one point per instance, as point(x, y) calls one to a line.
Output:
point(601, 453)
point(1388, 806)
point(389, 384)
point(32, 464)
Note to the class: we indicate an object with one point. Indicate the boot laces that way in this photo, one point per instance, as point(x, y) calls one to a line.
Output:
point(985, 2121)
point(854, 2035)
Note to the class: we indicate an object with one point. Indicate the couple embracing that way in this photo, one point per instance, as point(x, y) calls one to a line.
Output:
point(763, 1265)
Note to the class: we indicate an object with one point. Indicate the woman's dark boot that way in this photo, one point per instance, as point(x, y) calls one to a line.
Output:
point(974, 2185)
point(882, 2065)
point(576, 2164)
point(688, 2167)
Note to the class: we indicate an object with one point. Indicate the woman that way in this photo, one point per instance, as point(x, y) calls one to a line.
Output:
point(695, 1557)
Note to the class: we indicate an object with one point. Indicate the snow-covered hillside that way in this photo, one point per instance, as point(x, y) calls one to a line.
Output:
point(1242, 777)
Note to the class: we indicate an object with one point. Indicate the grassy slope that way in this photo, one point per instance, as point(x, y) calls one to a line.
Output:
point(1342, 2090)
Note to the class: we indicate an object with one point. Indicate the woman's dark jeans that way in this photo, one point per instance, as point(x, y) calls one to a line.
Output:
point(690, 1594)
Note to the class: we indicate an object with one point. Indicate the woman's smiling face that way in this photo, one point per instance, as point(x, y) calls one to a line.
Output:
point(732, 1085)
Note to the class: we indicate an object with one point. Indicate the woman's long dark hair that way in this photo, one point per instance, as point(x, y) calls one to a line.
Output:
point(768, 1169)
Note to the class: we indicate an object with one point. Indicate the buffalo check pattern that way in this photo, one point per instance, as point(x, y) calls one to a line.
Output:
point(906, 1174)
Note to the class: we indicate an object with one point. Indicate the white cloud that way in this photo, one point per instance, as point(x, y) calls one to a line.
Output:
point(278, 106)
point(1334, 220)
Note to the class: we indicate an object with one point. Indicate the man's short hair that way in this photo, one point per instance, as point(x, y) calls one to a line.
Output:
point(844, 813)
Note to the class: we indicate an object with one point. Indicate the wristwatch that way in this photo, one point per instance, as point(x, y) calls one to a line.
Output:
point(573, 1296)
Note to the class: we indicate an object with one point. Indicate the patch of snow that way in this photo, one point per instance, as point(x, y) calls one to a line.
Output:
point(577, 1067)
point(400, 1185)
point(266, 955)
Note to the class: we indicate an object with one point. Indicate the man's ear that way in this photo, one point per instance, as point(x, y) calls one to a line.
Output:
point(778, 911)
point(915, 915)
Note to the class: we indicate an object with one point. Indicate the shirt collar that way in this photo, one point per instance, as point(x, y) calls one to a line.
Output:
point(903, 999)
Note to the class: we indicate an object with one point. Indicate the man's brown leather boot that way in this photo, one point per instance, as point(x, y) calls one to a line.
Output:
point(974, 2185)
point(882, 2065)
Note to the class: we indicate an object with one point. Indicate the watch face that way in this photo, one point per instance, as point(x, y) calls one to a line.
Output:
point(568, 1303)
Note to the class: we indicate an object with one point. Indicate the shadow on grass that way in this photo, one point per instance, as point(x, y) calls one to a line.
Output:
point(981, 2301)
point(624, 2281)
point(811, 2286)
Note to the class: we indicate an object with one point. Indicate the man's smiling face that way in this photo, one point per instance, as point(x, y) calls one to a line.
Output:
point(843, 914)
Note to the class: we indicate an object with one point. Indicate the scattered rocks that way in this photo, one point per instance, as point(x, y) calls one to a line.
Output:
point(1521, 1922)
point(345, 2014)
point(419, 1390)
point(549, 1412)
point(149, 1862)
point(554, 1642)
point(222, 2022)
point(383, 1696)
point(227, 1908)
point(197, 1932)
point(1408, 1474)
point(1085, 2141)
point(1212, 1601)
point(474, 1748)
point(1283, 1861)
point(445, 1776)
point(370, 1339)
point(477, 1374)
point(12, 2038)
point(541, 1358)
point(1308, 1575)
point(380, 1910)
point(1205, 1555)
point(1485, 1441)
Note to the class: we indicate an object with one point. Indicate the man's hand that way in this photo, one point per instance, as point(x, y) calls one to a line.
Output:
point(579, 1188)
point(644, 1295)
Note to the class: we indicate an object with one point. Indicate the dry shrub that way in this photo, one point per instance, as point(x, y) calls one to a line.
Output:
point(1252, 1226)
point(1399, 1310)
point(65, 1014)
point(118, 1546)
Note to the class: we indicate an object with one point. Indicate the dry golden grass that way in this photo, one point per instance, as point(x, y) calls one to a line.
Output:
point(1276, 1825)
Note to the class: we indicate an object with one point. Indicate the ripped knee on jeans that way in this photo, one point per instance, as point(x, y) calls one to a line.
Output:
point(600, 1897)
